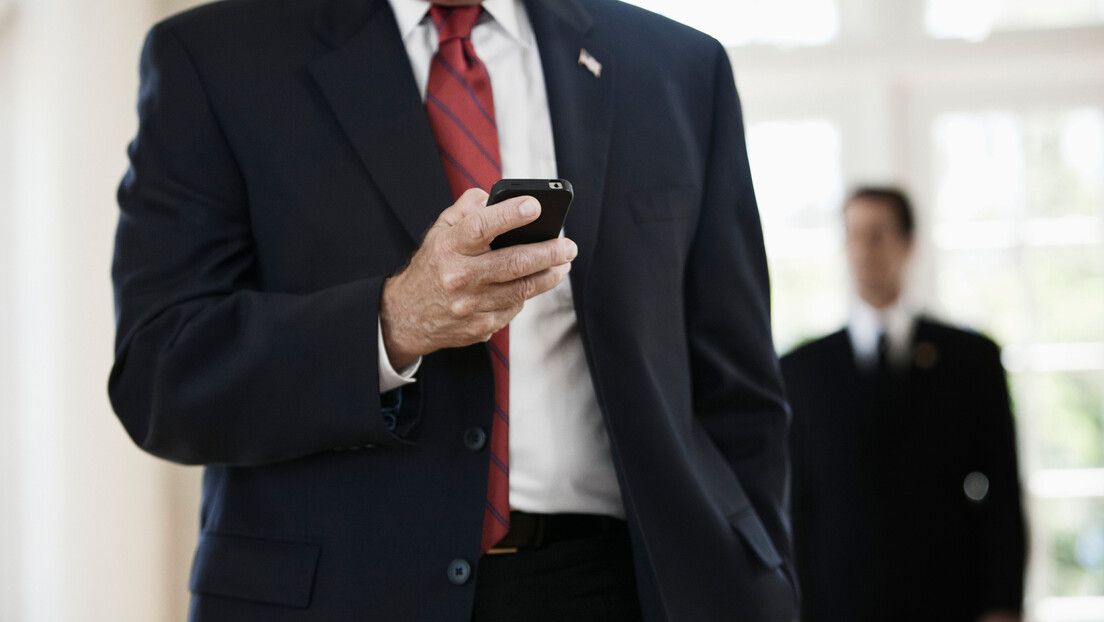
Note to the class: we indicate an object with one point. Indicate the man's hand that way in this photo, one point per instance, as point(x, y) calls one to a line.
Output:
point(456, 291)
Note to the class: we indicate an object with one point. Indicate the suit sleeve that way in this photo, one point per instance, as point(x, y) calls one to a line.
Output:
point(209, 368)
point(1003, 530)
point(737, 385)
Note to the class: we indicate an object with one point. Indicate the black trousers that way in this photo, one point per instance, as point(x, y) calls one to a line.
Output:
point(581, 580)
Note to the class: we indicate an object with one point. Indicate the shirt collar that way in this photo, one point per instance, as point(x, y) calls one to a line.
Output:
point(509, 14)
point(408, 14)
point(506, 13)
point(867, 324)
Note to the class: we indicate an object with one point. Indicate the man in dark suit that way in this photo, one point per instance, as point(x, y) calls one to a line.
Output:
point(299, 312)
point(906, 496)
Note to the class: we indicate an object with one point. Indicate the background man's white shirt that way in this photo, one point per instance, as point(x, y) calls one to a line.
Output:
point(867, 324)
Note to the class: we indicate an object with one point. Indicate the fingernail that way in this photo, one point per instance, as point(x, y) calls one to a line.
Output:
point(528, 207)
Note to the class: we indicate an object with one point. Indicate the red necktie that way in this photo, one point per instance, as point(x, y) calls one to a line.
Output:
point(460, 107)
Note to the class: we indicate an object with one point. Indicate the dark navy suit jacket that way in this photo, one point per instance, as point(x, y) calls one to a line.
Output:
point(284, 167)
point(883, 526)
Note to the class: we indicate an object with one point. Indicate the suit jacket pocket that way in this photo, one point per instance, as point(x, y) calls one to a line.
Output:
point(276, 572)
point(734, 502)
point(749, 526)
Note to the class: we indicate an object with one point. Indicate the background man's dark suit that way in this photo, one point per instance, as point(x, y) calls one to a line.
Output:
point(882, 526)
point(284, 167)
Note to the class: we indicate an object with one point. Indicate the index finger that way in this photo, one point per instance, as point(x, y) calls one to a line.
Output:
point(473, 234)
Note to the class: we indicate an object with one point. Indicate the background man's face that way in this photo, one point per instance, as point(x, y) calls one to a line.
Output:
point(877, 250)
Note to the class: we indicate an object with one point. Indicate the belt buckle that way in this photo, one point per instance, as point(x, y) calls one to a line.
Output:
point(527, 531)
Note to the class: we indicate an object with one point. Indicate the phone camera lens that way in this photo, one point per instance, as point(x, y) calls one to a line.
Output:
point(555, 185)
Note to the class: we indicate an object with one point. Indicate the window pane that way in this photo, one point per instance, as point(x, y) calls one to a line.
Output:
point(808, 298)
point(979, 166)
point(983, 289)
point(740, 22)
point(1075, 545)
point(1065, 162)
point(797, 169)
point(1070, 432)
point(1061, 299)
point(1068, 293)
point(1000, 164)
point(796, 166)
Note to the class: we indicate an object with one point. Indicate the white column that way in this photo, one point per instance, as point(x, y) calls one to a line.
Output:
point(9, 558)
point(98, 521)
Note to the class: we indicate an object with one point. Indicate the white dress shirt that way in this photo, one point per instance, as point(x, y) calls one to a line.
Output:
point(867, 324)
point(559, 450)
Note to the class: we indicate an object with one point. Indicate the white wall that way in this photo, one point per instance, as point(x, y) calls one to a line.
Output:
point(93, 529)
point(8, 535)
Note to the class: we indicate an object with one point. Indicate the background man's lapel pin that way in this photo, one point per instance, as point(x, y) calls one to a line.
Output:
point(591, 63)
point(925, 355)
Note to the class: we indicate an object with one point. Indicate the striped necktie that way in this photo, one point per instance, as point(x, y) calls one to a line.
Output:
point(460, 107)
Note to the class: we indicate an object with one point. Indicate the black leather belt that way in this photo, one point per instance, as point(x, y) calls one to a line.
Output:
point(531, 531)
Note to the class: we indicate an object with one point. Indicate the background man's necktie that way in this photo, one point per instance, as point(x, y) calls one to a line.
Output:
point(460, 107)
point(883, 353)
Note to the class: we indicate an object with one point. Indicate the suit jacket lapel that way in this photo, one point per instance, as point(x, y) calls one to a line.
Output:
point(581, 107)
point(367, 81)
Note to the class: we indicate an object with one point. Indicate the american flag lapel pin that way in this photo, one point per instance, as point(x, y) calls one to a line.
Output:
point(591, 63)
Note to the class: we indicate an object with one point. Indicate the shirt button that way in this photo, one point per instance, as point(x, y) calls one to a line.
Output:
point(475, 439)
point(459, 571)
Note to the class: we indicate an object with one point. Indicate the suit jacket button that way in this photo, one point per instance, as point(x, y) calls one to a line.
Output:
point(475, 439)
point(976, 486)
point(459, 571)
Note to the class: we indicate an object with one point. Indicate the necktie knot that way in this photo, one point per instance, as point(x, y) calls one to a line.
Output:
point(454, 22)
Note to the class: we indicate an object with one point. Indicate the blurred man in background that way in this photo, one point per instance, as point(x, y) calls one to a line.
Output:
point(906, 494)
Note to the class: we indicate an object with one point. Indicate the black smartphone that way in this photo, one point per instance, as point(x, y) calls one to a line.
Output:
point(554, 196)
